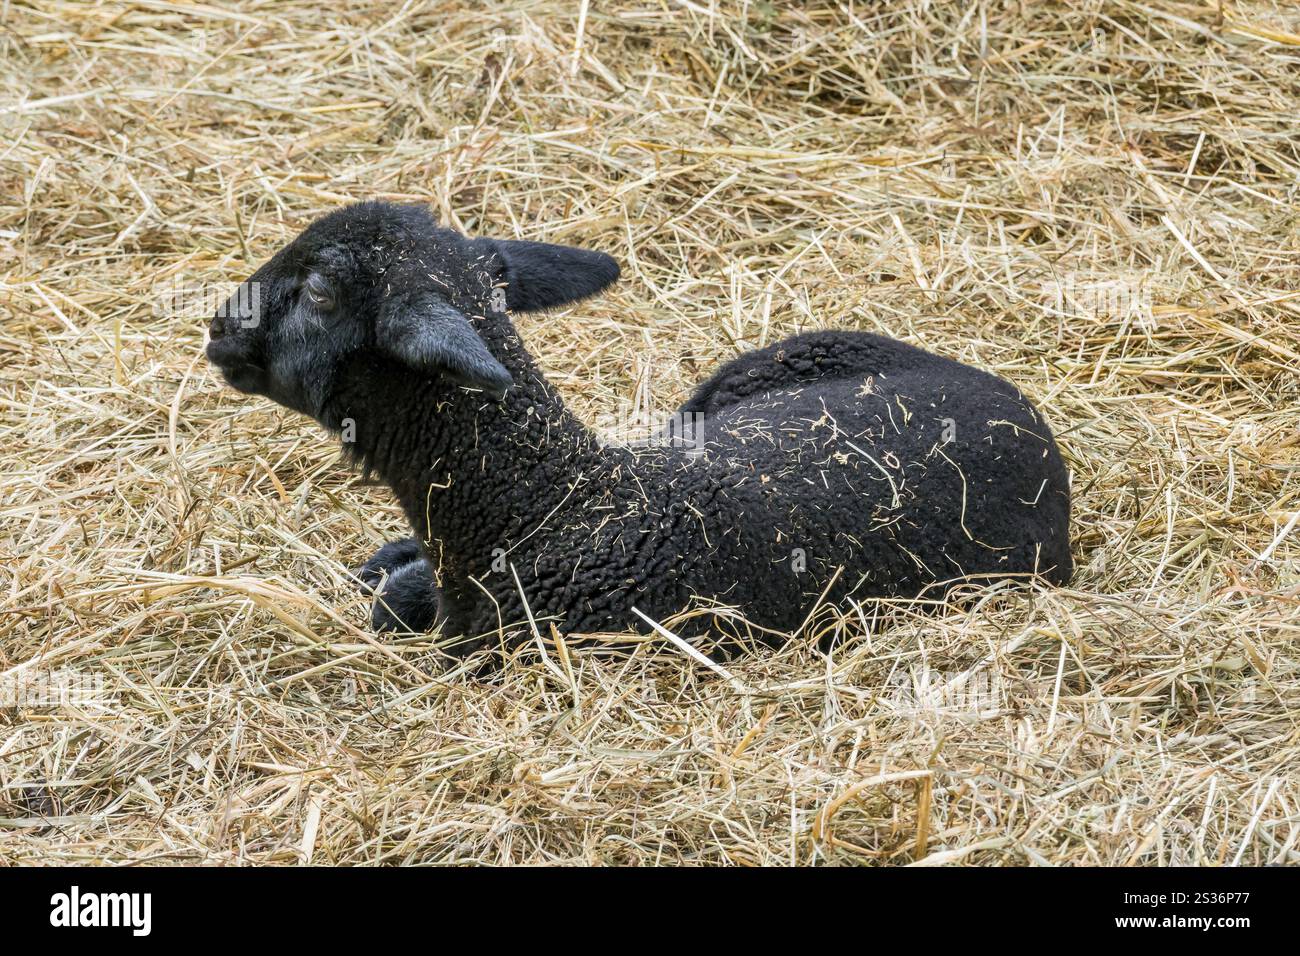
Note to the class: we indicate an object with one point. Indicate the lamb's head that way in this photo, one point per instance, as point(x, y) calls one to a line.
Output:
point(383, 278)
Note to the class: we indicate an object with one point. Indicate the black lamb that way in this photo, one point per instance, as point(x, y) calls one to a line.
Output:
point(833, 465)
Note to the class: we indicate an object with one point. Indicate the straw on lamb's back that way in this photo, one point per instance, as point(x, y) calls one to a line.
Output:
point(903, 468)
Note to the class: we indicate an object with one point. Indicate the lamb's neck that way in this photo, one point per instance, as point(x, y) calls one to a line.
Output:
point(473, 474)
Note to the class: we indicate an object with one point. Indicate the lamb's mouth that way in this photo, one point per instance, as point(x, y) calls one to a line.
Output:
point(249, 379)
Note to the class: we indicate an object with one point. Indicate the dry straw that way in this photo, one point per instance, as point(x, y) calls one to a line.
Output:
point(1095, 199)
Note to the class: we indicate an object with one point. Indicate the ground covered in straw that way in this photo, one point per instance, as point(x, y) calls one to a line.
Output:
point(1096, 199)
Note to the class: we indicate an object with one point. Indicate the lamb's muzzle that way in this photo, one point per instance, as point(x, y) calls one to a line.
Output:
point(831, 456)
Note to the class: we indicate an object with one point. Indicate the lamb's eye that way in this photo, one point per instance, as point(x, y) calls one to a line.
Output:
point(318, 291)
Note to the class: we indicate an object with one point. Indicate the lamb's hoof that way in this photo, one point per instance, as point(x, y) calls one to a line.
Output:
point(407, 600)
point(388, 559)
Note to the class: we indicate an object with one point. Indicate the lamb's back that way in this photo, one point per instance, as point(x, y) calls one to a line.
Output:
point(925, 471)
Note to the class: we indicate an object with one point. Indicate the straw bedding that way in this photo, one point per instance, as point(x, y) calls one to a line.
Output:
point(1096, 200)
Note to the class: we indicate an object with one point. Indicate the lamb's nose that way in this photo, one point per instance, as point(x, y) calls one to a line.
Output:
point(216, 328)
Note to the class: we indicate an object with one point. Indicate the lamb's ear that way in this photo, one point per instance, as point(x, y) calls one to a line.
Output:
point(432, 336)
point(539, 275)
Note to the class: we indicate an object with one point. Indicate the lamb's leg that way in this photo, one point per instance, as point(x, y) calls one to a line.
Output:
point(388, 559)
point(407, 600)
point(399, 575)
